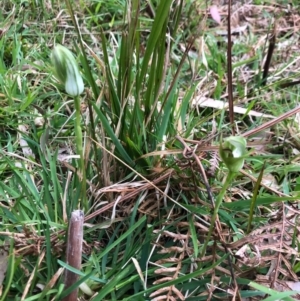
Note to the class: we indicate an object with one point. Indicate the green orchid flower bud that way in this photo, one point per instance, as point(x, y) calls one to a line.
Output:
point(233, 152)
point(66, 70)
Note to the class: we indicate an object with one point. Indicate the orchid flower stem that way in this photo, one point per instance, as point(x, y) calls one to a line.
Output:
point(231, 175)
point(79, 147)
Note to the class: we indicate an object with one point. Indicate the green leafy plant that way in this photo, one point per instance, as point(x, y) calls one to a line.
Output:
point(67, 71)
point(232, 152)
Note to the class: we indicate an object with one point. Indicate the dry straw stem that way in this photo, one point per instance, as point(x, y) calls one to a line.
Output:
point(74, 251)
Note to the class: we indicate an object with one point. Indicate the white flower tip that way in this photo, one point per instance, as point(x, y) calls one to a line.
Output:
point(74, 87)
point(67, 70)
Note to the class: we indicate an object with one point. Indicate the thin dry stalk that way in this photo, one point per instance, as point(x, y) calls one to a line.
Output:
point(74, 251)
point(29, 283)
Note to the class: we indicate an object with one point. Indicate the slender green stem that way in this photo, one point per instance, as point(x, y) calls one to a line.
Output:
point(79, 147)
point(229, 178)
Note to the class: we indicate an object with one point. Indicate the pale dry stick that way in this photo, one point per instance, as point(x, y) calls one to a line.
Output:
point(10, 154)
point(254, 131)
point(29, 282)
point(74, 252)
point(272, 122)
point(64, 199)
point(13, 235)
point(252, 178)
point(54, 278)
point(273, 273)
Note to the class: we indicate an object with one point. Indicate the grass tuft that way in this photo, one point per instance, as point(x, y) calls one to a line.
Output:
point(152, 115)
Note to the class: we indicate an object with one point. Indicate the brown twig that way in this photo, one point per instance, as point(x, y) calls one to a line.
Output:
point(272, 43)
point(74, 251)
point(229, 71)
point(272, 122)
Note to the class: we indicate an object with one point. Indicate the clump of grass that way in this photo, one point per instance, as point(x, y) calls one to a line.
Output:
point(150, 158)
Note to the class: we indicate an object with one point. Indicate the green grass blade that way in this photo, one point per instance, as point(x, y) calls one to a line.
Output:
point(159, 21)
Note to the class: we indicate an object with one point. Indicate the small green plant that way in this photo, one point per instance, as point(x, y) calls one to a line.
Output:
point(67, 71)
point(232, 152)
